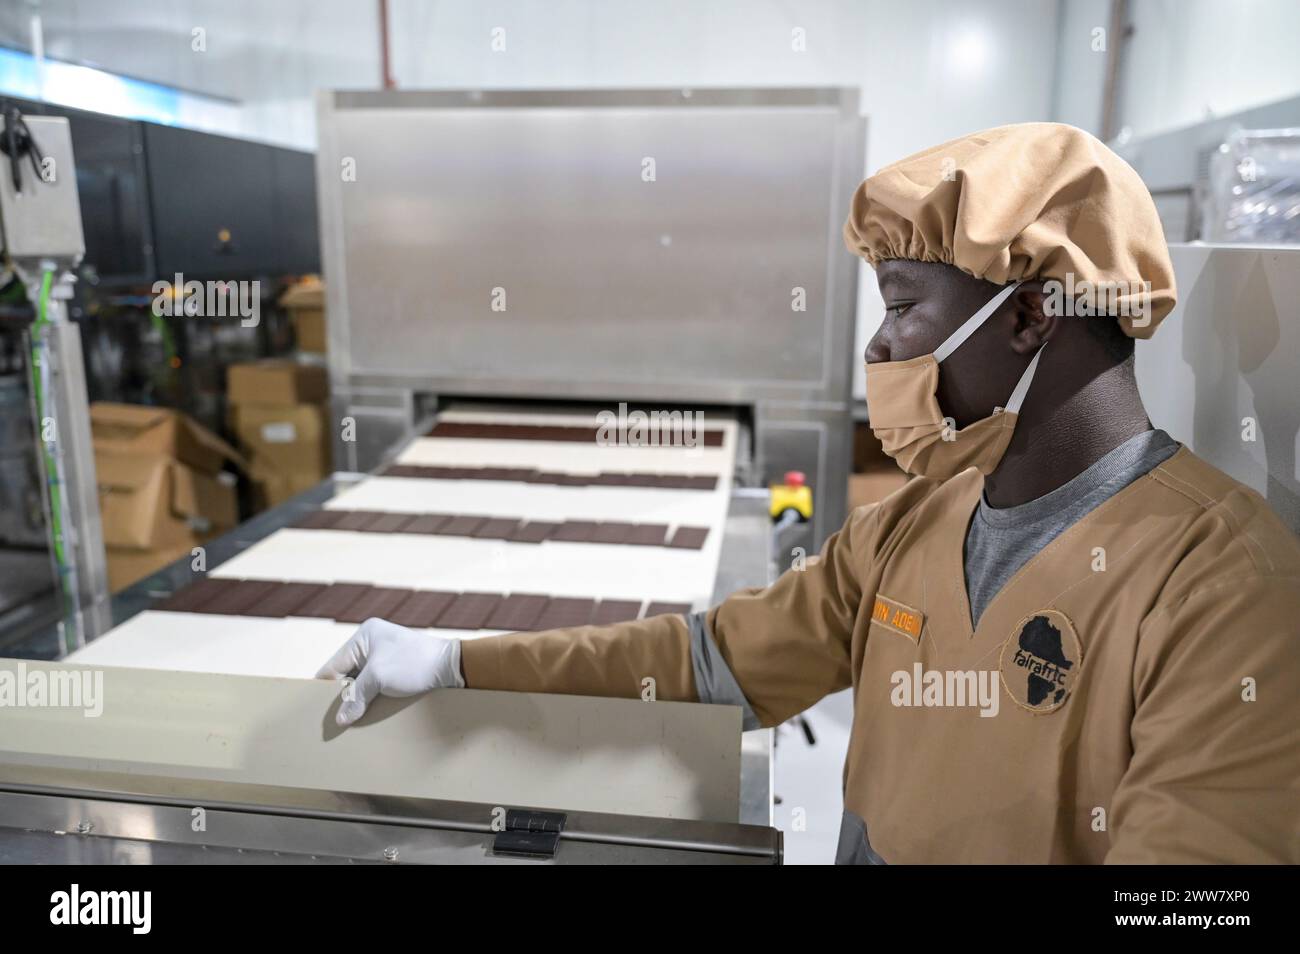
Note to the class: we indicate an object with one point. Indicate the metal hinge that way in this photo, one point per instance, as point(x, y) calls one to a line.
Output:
point(530, 834)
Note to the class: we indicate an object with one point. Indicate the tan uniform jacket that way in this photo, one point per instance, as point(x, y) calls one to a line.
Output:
point(1146, 666)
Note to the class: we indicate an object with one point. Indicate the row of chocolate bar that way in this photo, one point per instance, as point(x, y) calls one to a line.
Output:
point(357, 602)
point(669, 434)
point(555, 478)
point(511, 529)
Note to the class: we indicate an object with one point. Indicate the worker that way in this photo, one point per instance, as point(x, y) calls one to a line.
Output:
point(1069, 638)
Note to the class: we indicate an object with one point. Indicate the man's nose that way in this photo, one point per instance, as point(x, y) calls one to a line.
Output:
point(877, 347)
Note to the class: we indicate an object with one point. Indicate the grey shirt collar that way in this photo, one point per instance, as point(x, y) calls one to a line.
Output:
point(1105, 477)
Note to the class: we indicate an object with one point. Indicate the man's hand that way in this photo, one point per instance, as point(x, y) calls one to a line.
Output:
point(392, 660)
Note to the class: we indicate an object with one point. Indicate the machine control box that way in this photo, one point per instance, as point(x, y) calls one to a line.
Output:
point(40, 217)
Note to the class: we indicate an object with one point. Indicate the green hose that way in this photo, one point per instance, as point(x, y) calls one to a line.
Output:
point(38, 390)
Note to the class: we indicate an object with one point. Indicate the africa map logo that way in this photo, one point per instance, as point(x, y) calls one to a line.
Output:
point(1041, 661)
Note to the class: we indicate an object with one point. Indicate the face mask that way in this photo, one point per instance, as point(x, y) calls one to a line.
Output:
point(903, 407)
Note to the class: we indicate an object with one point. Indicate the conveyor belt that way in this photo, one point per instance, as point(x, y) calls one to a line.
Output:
point(499, 524)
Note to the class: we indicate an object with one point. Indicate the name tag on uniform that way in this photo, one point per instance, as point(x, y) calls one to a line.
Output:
point(899, 617)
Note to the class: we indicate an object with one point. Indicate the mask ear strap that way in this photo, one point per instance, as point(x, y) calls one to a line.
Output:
point(1022, 386)
point(958, 337)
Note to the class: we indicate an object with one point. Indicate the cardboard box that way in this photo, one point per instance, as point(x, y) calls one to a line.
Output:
point(876, 484)
point(305, 303)
point(309, 292)
point(149, 501)
point(126, 566)
point(133, 430)
point(309, 329)
point(276, 382)
point(289, 439)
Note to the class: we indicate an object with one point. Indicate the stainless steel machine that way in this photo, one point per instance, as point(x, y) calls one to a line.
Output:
point(663, 248)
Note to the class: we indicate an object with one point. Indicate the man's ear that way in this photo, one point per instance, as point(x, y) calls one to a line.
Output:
point(1035, 323)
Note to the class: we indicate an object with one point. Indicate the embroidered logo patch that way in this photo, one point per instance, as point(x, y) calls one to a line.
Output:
point(1040, 662)
point(894, 615)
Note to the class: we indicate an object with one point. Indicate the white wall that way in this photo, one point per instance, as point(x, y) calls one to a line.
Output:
point(1184, 61)
point(1190, 60)
point(1080, 76)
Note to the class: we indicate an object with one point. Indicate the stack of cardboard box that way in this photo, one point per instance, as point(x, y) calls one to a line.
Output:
point(279, 414)
point(162, 489)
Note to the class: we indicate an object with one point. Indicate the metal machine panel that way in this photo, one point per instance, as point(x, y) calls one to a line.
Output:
point(602, 275)
point(147, 820)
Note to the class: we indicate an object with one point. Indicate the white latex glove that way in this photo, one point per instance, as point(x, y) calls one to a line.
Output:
point(391, 660)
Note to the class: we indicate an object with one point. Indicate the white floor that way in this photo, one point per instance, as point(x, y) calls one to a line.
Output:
point(808, 781)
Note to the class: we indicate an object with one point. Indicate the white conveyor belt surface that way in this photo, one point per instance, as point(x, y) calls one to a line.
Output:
point(552, 568)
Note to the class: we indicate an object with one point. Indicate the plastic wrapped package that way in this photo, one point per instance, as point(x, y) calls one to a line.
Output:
point(1253, 188)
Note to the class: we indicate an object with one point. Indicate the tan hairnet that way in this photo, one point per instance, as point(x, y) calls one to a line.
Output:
point(1033, 201)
